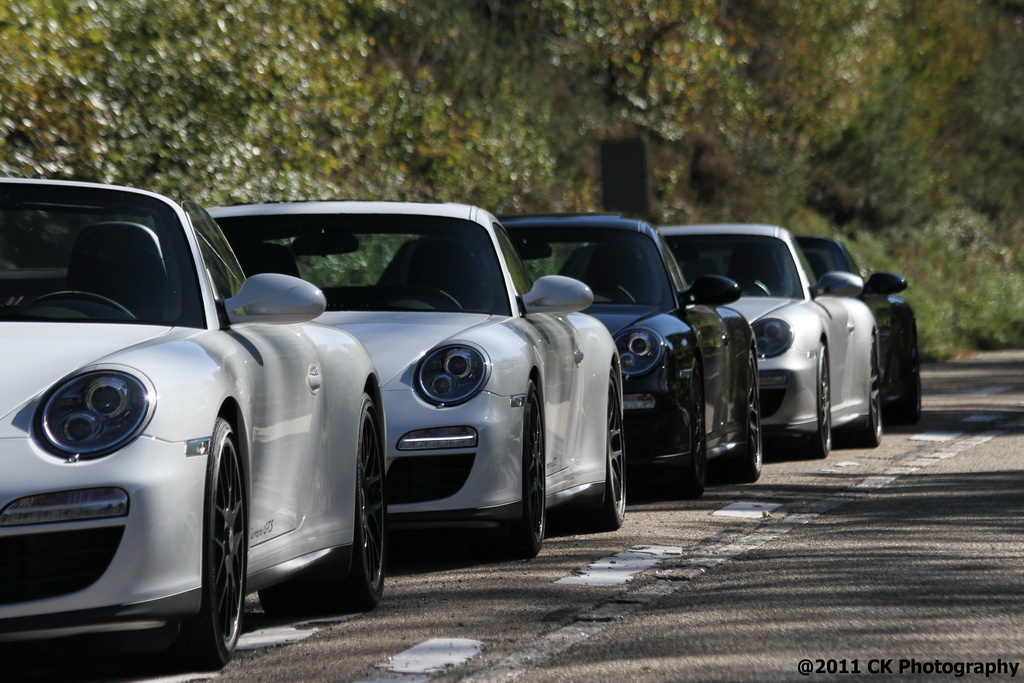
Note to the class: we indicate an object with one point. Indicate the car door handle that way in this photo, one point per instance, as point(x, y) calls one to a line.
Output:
point(577, 354)
point(850, 326)
point(315, 380)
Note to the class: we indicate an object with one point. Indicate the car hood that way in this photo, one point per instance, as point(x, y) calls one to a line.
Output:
point(755, 307)
point(33, 356)
point(396, 340)
point(618, 318)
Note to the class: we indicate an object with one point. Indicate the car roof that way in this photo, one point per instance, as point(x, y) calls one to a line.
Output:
point(726, 229)
point(598, 221)
point(84, 185)
point(447, 210)
point(817, 238)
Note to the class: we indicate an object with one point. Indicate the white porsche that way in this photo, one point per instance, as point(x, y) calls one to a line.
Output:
point(818, 351)
point(172, 435)
point(502, 400)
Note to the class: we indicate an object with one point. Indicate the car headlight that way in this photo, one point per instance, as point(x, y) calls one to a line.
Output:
point(95, 413)
point(451, 375)
point(640, 351)
point(772, 336)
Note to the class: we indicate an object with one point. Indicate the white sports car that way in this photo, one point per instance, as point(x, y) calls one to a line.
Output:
point(818, 357)
point(173, 435)
point(502, 400)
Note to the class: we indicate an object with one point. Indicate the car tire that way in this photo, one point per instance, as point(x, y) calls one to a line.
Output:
point(612, 512)
point(868, 434)
point(907, 410)
point(694, 478)
point(819, 444)
point(748, 467)
point(360, 586)
point(361, 590)
point(527, 533)
point(207, 640)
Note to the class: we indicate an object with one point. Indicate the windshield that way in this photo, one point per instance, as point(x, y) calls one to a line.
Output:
point(76, 254)
point(619, 266)
point(763, 266)
point(377, 261)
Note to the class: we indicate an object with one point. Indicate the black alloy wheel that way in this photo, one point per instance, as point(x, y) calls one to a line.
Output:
point(907, 409)
point(363, 588)
point(694, 478)
point(748, 469)
point(819, 444)
point(359, 587)
point(613, 508)
point(207, 640)
point(869, 433)
point(527, 533)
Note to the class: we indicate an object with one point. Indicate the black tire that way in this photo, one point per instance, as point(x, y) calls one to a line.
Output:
point(359, 587)
point(527, 533)
point(907, 410)
point(363, 588)
point(612, 512)
point(819, 444)
point(869, 433)
point(207, 640)
point(748, 468)
point(694, 478)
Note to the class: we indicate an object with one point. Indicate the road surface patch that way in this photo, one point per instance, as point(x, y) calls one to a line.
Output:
point(747, 510)
point(422, 662)
point(272, 637)
point(621, 567)
point(936, 436)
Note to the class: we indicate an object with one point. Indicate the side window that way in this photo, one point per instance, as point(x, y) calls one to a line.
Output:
point(520, 278)
point(220, 261)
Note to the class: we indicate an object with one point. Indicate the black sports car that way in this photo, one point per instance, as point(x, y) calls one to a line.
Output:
point(897, 327)
point(689, 363)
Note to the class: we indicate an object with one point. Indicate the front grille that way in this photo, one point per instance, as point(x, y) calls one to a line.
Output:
point(771, 401)
point(45, 565)
point(420, 478)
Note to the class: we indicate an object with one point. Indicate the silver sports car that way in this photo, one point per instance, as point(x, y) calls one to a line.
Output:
point(173, 435)
point(502, 400)
point(818, 357)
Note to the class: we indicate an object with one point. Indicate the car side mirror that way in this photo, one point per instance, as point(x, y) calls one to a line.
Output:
point(837, 283)
point(885, 283)
point(711, 290)
point(276, 299)
point(557, 294)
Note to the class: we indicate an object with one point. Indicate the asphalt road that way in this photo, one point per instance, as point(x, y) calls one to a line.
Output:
point(897, 563)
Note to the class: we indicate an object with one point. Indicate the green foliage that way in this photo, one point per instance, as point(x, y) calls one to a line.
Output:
point(893, 122)
point(967, 293)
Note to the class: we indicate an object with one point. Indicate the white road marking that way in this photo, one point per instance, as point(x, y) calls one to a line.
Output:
point(622, 567)
point(935, 436)
point(287, 633)
point(433, 656)
point(747, 510)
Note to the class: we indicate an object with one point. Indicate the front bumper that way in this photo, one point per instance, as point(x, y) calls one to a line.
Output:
point(657, 437)
point(474, 486)
point(788, 392)
point(145, 565)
